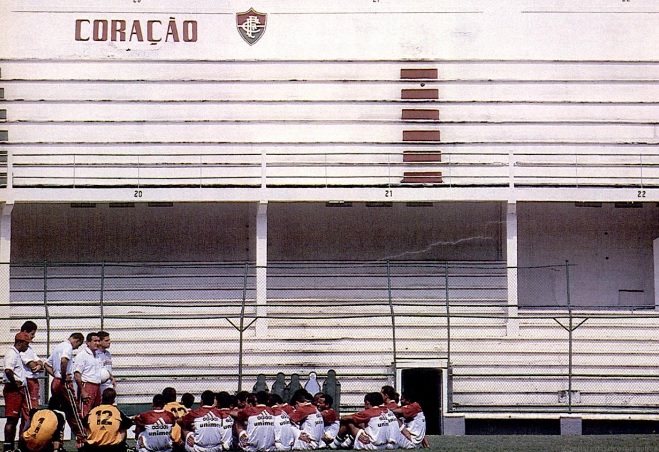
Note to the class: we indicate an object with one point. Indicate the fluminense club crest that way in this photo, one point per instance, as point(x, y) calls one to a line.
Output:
point(251, 25)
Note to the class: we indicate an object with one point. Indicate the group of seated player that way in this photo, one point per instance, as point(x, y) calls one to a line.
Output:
point(249, 422)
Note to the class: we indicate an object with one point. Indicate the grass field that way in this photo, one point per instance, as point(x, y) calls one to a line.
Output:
point(531, 443)
point(545, 443)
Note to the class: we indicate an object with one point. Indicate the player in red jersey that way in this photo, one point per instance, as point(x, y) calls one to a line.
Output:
point(226, 405)
point(202, 427)
point(324, 404)
point(284, 431)
point(153, 429)
point(308, 422)
point(255, 425)
point(369, 427)
point(396, 438)
point(414, 422)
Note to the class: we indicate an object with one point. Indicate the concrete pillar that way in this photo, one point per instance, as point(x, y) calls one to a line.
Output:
point(571, 425)
point(655, 255)
point(511, 263)
point(5, 256)
point(261, 267)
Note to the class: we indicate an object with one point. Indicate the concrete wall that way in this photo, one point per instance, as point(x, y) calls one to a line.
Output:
point(182, 232)
point(440, 231)
point(226, 232)
point(609, 248)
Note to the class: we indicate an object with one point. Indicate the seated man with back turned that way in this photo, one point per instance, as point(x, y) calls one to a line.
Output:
point(44, 431)
point(106, 426)
point(153, 428)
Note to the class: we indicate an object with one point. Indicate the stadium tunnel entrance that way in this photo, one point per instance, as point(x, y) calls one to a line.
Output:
point(425, 386)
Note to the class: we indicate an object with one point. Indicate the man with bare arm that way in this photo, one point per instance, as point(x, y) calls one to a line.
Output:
point(60, 366)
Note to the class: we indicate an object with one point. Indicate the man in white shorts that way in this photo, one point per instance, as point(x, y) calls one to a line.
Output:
point(396, 438)
point(369, 427)
point(309, 423)
point(414, 422)
point(324, 404)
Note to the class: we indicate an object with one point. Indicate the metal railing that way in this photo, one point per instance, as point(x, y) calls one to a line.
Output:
point(375, 168)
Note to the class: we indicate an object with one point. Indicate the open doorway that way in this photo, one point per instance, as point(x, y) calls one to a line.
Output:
point(425, 384)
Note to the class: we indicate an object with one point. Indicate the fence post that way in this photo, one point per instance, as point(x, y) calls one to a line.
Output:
point(449, 366)
point(570, 329)
point(102, 295)
point(242, 330)
point(448, 315)
point(393, 322)
point(47, 314)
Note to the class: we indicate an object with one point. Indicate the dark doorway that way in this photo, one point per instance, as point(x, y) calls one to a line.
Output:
point(425, 385)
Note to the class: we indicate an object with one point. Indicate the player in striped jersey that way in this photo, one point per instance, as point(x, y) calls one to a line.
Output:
point(153, 429)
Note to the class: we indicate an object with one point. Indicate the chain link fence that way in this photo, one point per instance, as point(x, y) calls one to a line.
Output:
point(223, 326)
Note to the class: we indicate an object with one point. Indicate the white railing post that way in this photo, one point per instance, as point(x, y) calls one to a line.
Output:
point(512, 325)
point(261, 268)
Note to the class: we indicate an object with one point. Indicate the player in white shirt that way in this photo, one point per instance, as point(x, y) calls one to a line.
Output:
point(87, 375)
point(16, 400)
point(33, 365)
point(225, 405)
point(105, 358)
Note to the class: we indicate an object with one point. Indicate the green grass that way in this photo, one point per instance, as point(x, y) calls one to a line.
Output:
point(544, 443)
point(531, 443)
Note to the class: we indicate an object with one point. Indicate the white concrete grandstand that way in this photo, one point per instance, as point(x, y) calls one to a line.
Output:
point(368, 186)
